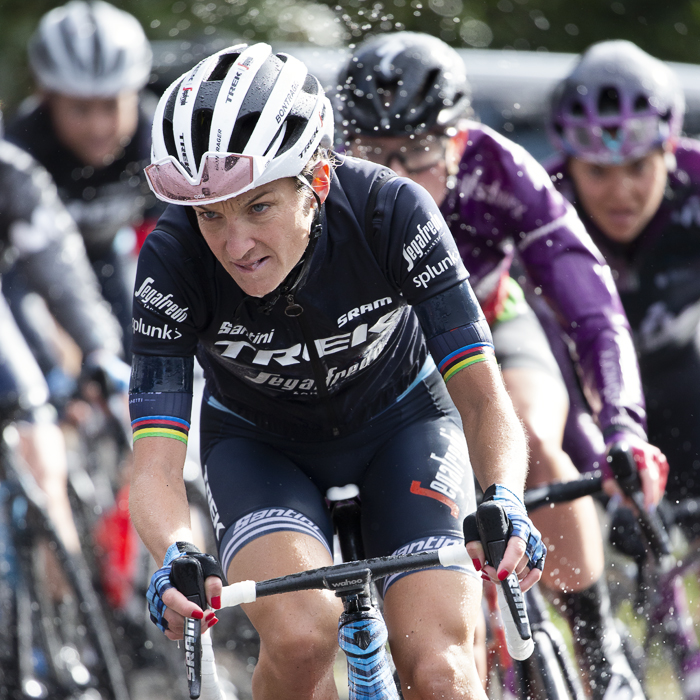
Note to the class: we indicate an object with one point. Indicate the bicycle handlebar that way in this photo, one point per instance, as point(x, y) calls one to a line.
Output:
point(334, 578)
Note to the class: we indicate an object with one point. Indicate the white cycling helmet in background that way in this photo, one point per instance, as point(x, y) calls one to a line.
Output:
point(90, 49)
point(239, 119)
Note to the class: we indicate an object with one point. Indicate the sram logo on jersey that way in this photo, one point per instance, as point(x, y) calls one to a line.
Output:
point(432, 271)
point(152, 298)
point(360, 310)
point(424, 242)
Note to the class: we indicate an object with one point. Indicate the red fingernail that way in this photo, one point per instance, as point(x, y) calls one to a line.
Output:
point(484, 577)
point(197, 615)
point(210, 616)
point(503, 575)
point(477, 564)
point(213, 622)
point(216, 602)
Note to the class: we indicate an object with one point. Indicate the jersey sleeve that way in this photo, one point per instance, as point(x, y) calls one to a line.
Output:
point(569, 271)
point(413, 244)
point(167, 312)
point(167, 303)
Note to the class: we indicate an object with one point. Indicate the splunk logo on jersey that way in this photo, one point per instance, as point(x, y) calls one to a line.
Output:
point(430, 272)
point(428, 235)
point(360, 310)
point(153, 331)
point(151, 298)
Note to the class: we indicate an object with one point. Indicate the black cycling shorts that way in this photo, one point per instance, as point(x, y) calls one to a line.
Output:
point(410, 463)
point(521, 342)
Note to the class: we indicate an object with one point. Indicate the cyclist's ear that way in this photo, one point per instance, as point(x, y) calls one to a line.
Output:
point(456, 146)
point(321, 181)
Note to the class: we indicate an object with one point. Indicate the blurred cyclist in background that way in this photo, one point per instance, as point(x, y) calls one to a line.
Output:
point(91, 130)
point(404, 103)
point(635, 182)
point(38, 237)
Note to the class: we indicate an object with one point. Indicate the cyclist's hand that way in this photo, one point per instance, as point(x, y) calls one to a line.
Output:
point(651, 465)
point(110, 372)
point(525, 552)
point(168, 607)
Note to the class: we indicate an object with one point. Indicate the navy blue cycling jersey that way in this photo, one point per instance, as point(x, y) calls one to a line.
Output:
point(357, 336)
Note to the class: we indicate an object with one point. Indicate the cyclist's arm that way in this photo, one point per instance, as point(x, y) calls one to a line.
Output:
point(459, 340)
point(51, 253)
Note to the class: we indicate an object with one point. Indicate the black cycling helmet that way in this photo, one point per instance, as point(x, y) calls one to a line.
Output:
point(402, 83)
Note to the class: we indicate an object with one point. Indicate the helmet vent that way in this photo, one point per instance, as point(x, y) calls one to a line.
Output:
point(577, 109)
point(641, 104)
point(609, 101)
point(225, 62)
point(242, 132)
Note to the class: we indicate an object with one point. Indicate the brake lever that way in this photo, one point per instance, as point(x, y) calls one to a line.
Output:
point(186, 575)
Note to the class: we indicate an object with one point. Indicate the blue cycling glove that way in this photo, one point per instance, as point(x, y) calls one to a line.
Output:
point(521, 524)
point(160, 581)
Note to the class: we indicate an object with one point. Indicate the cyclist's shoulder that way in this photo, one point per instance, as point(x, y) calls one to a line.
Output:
point(355, 180)
point(687, 170)
point(176, 247)
point(500, 176)
point(31, 129)
point(24, 183)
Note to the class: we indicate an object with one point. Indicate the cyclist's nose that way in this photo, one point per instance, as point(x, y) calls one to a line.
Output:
point(239, 242)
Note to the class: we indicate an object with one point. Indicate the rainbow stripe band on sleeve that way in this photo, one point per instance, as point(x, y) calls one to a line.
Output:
point(160, 426)
point(464, 357)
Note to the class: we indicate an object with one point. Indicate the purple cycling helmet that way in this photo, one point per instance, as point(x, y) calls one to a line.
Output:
point(618, 104)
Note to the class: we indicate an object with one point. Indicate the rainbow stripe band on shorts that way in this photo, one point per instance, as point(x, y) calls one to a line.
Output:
point(464, 357)
point(161, 426)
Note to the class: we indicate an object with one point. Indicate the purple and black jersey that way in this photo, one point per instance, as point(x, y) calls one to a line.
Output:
point(356, 300)
point(658, 278)
point(503, 204)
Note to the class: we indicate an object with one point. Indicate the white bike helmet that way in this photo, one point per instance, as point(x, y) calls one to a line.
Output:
point(90, 49)
point(239, 119)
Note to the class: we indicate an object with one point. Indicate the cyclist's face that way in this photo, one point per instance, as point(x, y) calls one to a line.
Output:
point(259, 236)
point(621, 199)
point(423, 159)
point(95, 129)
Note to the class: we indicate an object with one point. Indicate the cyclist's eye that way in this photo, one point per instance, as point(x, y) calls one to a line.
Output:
point(259, 208)
point(207, 215)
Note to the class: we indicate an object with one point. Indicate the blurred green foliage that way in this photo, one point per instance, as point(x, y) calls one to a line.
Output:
point(668, 30)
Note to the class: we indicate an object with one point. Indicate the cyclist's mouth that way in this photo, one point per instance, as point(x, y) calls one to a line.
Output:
point(251, 266)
